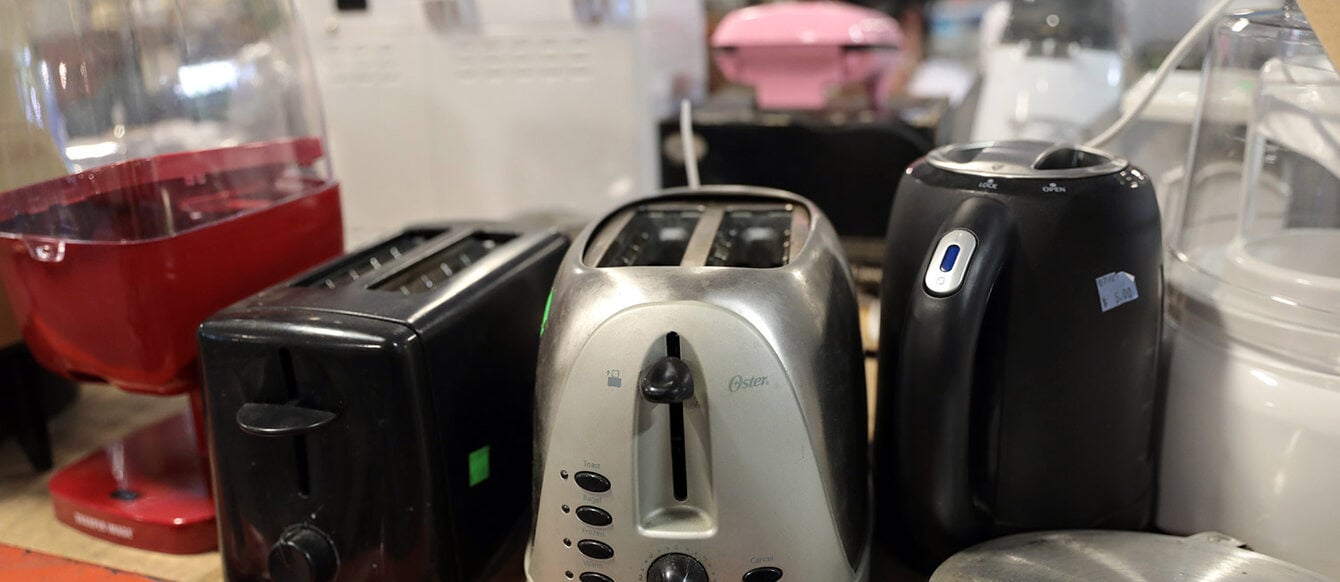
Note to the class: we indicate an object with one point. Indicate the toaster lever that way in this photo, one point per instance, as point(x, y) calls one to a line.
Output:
point(280, 420)
point(667, 381)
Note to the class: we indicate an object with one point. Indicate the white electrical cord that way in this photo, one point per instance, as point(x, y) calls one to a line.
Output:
point(686, 136)
point(1175, 58)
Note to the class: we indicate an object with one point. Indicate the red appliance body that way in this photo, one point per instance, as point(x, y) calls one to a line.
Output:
point(162, 243)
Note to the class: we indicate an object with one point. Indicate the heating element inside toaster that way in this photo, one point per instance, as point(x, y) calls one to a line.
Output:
point(717, 233)
point(435, 269)
point(357, 266)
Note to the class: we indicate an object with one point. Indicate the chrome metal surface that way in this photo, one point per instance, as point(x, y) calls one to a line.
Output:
point(804, 312)
point(712, 212)
point(1115, 556)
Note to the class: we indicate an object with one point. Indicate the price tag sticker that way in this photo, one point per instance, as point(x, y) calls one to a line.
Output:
point(1116, 289)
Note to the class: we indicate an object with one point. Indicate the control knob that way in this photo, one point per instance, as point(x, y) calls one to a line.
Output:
point(303, 554)
point(676, 568)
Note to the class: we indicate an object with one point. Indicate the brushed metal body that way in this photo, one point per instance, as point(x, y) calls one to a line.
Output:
point(1116, 556)
point(785, 482)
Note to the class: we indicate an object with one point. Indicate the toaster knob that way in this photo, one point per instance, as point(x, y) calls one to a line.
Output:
point(303, 554)
point(667, 381)
point(676, 568)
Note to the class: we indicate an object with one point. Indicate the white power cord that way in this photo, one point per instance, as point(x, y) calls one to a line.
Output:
point(1175, 58)
point(686, 136)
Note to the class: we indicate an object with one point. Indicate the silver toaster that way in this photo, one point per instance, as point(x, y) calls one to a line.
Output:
point(701, 404)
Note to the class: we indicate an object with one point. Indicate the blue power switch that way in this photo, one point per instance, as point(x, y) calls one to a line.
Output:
point(951, 255)
point(955, 250)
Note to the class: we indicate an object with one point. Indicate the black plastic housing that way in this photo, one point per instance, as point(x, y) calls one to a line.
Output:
point(849, 164)
point(1018, 402)
point(364, 432)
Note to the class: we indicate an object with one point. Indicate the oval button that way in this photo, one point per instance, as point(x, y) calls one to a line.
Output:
point(763, 575)
point(593, 482)
point(595, 549)
point(595, 577)
point(594, 516)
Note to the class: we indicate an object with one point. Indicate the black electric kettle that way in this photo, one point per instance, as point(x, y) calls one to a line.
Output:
point(1020, 318)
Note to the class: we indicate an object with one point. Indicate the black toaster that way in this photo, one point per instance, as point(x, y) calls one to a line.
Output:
point(372, 419)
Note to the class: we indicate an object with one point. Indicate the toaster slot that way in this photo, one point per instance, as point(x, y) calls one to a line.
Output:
point(678, 465)
point(357, 266)
point(753, 238)
point(437, 268)
point(301, 461)
point(674, 456)
point(652, 238)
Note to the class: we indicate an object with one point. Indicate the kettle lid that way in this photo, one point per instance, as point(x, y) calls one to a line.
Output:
point(1102, 556)
point(1026, 159)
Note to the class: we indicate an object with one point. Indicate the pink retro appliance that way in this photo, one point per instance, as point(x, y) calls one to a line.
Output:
point(796, 55)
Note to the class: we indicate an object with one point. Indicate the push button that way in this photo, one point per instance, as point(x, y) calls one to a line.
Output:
point(593, 482)
point(594, 577)
point(761, 575)
point(950, 262)
point(594, 516)
point(951, 255)
point(595, 549)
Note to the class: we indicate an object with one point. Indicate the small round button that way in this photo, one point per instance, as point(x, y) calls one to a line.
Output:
point(303, 554)
point(594, 577)
point(594, 516)
point(763, 575)
point(595, 549)
point(593, 482)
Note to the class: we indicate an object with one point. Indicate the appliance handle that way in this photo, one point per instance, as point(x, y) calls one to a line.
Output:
point(280, 420)
point(935, 376)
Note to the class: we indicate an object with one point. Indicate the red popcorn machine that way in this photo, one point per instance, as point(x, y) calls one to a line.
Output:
point(158, 162)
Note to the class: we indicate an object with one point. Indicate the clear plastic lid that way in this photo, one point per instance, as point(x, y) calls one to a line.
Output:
point(135, 120)
point(1259, 231)
point(159, 160)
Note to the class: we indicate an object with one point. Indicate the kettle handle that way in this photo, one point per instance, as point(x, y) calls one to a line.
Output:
point(935, 375)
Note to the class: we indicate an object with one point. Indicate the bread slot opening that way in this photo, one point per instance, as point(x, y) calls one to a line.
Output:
point(434, 270)
point(357, 266)
point(652, 238)
point(754, 238)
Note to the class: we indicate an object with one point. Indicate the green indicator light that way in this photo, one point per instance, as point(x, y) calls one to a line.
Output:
point(479, 466)
point(544, 322)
